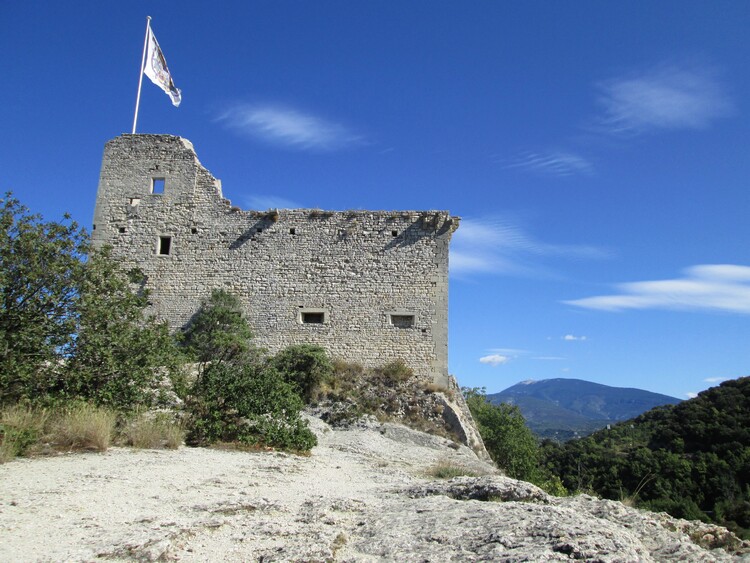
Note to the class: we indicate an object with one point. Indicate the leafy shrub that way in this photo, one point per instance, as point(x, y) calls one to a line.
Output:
point(21, 427)
point(508, 440)
point(82, 426)
point(249, 403)
point(152, 431)
point(218, 332)
point(304, 366)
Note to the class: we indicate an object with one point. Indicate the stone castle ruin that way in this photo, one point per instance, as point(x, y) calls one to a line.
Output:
point(368, 286)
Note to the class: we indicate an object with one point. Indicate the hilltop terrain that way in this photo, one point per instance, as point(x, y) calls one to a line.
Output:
point(691, 460)
point(363, 494)
point(561, 409)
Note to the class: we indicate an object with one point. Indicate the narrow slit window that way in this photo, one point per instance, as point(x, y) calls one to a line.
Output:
point(157, 186)
point(165, 246)
point(402, 321)
point(313, 318)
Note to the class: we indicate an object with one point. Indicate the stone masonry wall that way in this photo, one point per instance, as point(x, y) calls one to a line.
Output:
point(378, 280)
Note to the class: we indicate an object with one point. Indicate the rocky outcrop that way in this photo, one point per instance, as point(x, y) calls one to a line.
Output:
point(364, 494)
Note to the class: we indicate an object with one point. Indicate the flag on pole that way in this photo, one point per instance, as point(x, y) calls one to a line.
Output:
point(156, 69)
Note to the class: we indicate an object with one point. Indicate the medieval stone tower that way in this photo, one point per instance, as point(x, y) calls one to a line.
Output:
point(368, 286)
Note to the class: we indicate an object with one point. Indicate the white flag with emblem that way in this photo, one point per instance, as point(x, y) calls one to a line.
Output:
point(156, 69)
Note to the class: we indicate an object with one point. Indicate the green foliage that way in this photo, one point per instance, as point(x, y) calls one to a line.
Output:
point(507, 438)
point(691, 460)
point(40, 271)
point(304, 366)
point(118, 358)
point(21, 426)
point(218, 332)
point(250, 403)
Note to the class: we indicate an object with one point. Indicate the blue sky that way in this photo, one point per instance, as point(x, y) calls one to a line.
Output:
point(596, 151)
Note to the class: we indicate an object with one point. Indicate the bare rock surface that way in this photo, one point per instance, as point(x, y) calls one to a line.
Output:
point(362, 495)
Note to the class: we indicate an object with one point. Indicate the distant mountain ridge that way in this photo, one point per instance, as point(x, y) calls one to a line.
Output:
point(565, 408)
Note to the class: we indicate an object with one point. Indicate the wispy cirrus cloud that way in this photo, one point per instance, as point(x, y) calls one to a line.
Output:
point(288, 127)
point(712, 287)
point(262, 202)
point(670, 96)
point(572, 337)
point(715, 379)
point(553, 163)
point(498, 246)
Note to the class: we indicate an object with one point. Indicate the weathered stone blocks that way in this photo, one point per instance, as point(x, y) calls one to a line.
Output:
point(369, 286)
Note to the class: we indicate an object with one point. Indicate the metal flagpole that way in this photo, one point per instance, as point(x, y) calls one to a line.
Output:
point(140, 78)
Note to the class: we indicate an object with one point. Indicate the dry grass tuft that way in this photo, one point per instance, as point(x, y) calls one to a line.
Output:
point(83, 427)
point(444, 469)
point(153, 431)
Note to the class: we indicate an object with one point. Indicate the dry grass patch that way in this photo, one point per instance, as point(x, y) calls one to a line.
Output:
point(83, 427)
point(153, 431)
point(444, 469)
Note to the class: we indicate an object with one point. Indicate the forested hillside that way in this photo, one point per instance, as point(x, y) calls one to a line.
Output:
point(691, 460)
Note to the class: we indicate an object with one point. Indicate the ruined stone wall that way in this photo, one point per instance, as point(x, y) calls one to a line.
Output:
point(369, 286)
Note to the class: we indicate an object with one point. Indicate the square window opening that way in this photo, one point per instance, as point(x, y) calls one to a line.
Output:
point(135, 201)
point(193, 230)
point(121, 230)
point(394, 233)
point(402, 321)
point(165, 246)
point(313, 318)
point(292, 231)
point(157, 185)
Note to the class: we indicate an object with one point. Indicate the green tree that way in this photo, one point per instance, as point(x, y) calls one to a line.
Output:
point(508, 440)
point(218, 332)
point(119, 358)
point(40, 272)
point(304, 366)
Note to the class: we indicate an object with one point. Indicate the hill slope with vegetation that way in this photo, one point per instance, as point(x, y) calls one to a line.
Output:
point(561, 409)
point(691, 460)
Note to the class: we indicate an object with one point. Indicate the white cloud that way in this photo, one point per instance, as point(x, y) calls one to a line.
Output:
point(548, 358)
point(263, 202)
point(715, 379)
point(686, 96)
point(494, 359)
point(501, 247)
point(554, 163)
point(288, 127)
point(571, 337)
point(713, 287)
point(691, 395)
